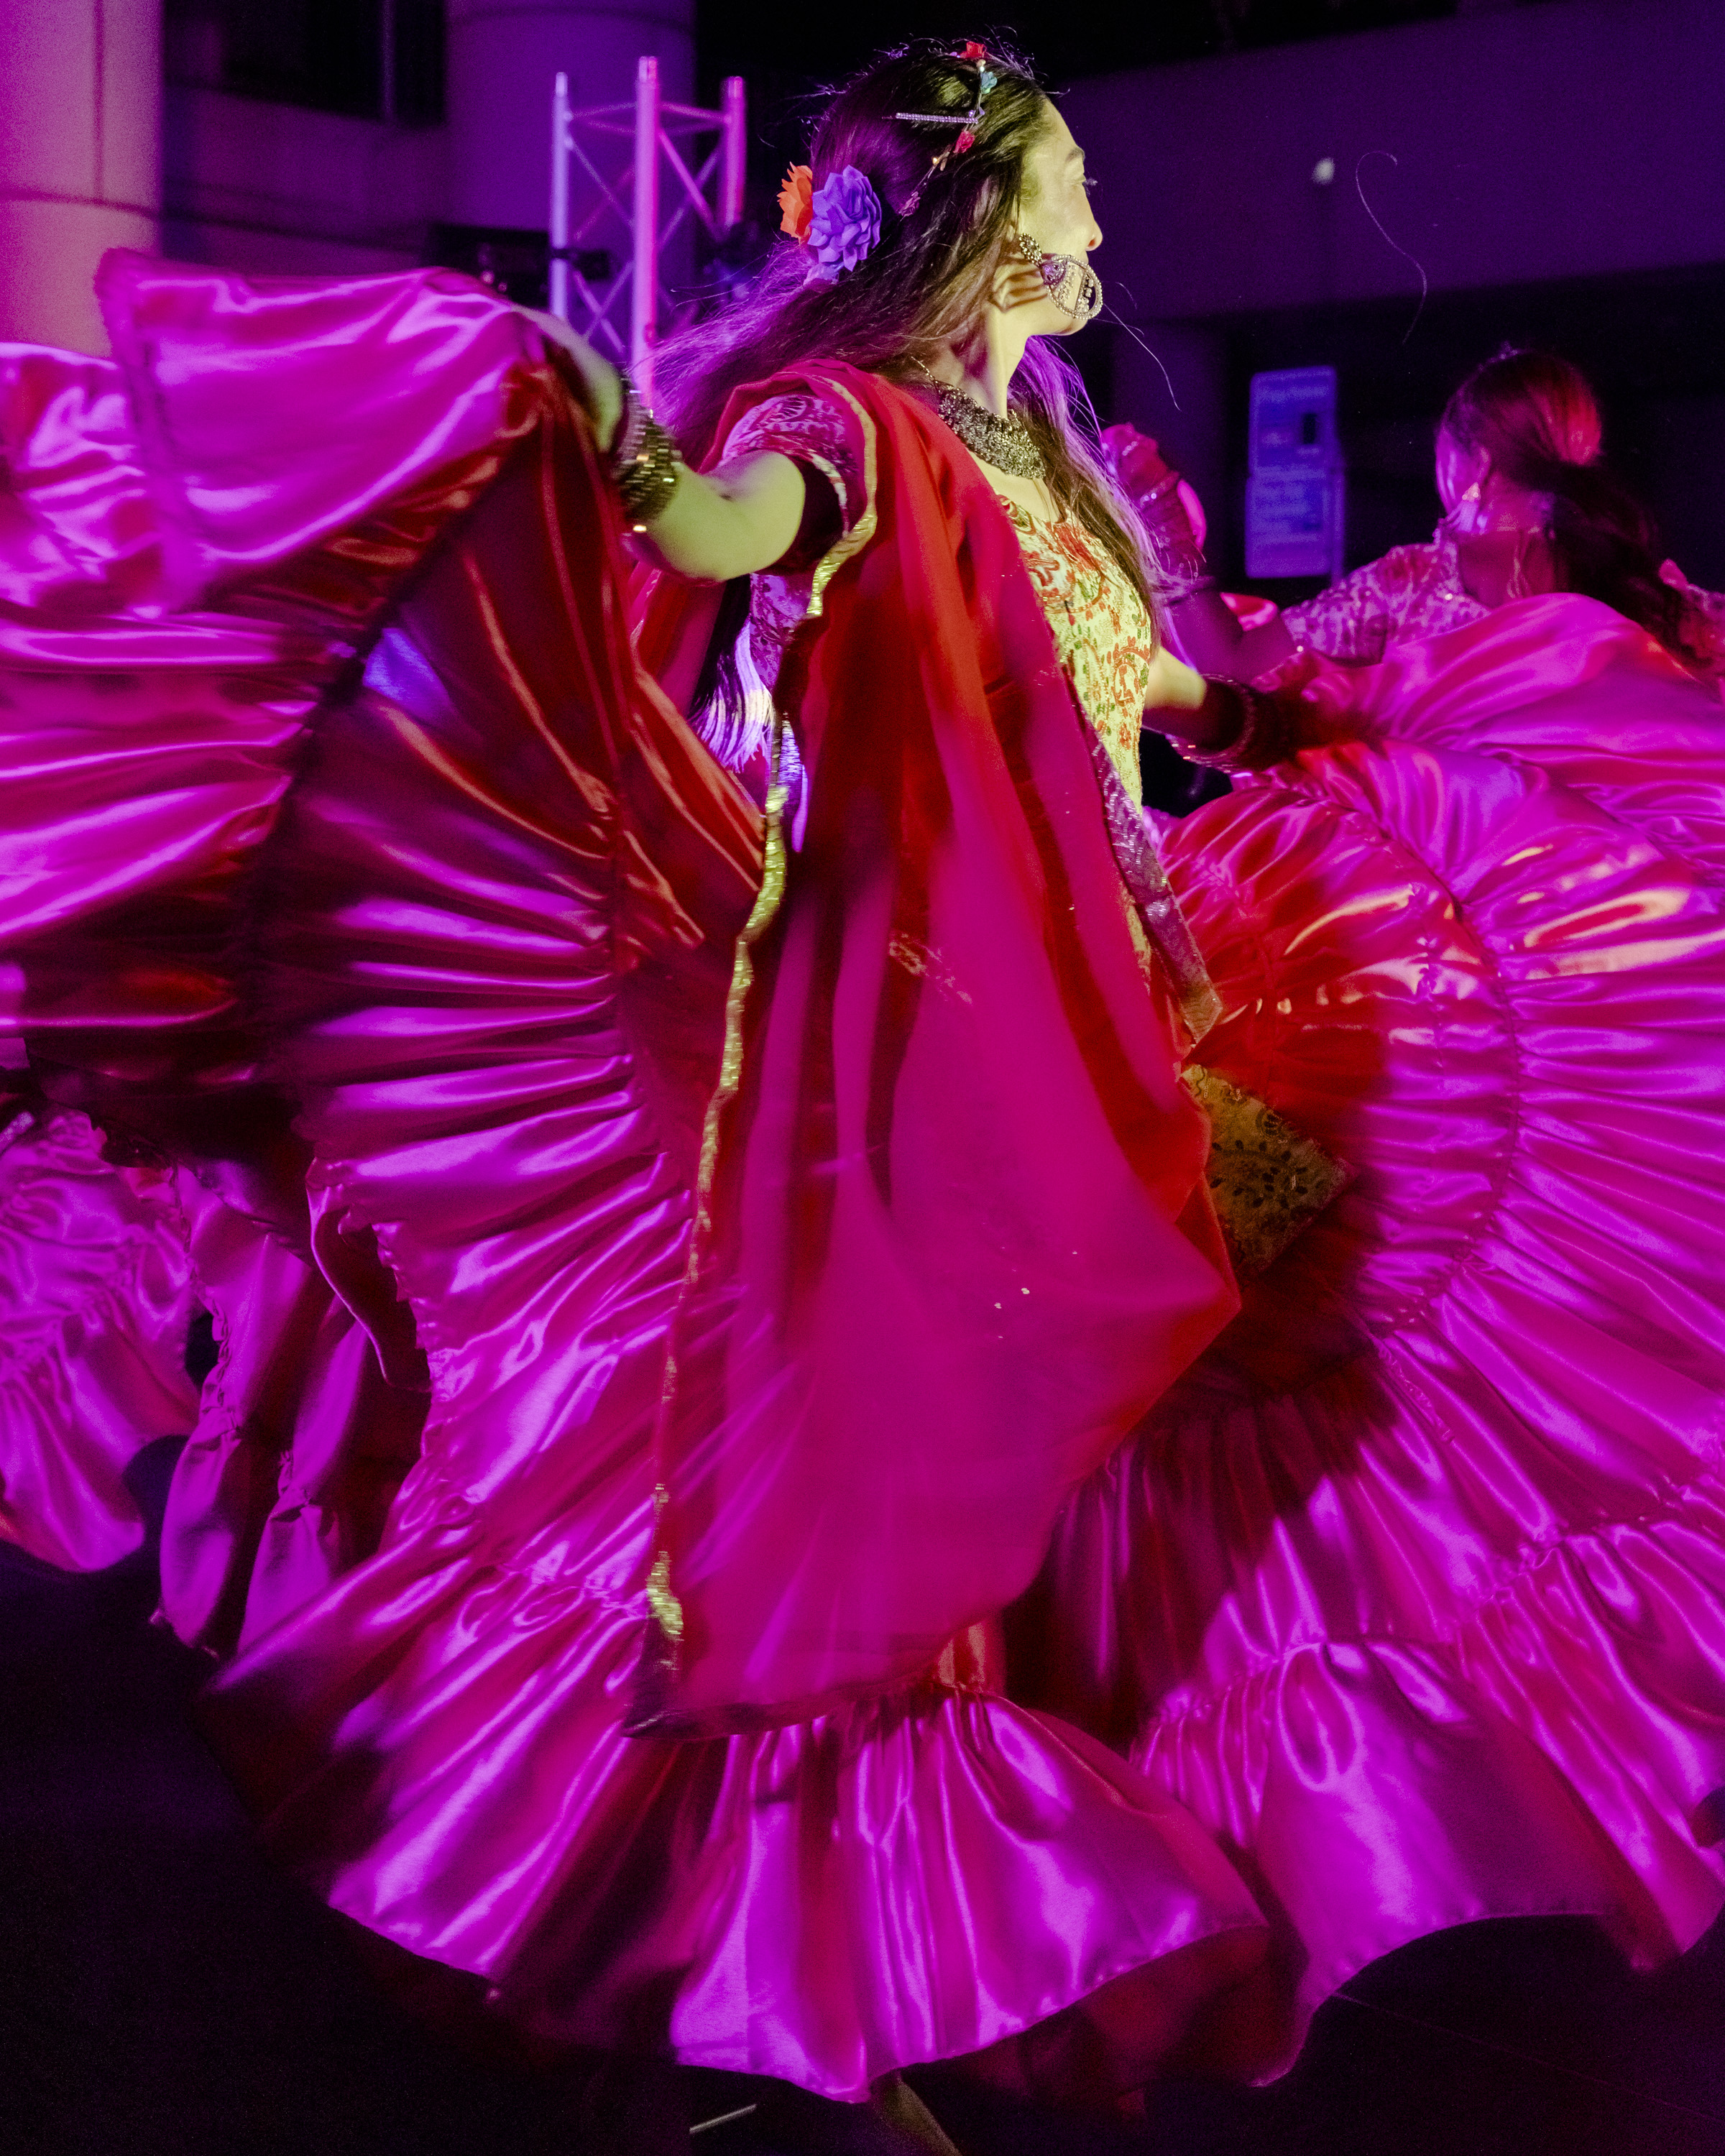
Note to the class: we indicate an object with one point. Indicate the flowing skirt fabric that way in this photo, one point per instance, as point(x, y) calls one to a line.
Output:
point(98, 1299)
point(437, 1742)
point(361, 873)
point(1414, 1589)
point(470, 919)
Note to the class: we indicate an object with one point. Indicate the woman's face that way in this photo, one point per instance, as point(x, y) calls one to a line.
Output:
point(1054, 210)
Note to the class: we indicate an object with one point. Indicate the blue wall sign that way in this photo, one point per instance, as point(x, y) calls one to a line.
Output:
point(1295, 495)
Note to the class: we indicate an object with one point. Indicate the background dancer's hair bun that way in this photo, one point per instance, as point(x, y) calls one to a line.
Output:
point(1534, 419)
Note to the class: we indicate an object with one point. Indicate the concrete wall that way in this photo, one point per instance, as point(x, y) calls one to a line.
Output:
point(1582, 137)
point(81, 110)
point(278, 191)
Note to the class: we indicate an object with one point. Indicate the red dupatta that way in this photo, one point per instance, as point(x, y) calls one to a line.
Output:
point(954, 1237)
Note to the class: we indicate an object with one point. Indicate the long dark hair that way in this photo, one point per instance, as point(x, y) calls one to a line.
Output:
point(1536, 418)
point(945, 229)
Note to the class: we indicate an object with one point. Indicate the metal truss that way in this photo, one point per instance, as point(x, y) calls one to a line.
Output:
point(707, 189)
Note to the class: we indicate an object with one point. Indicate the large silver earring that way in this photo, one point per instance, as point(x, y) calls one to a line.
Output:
point(1072, 284)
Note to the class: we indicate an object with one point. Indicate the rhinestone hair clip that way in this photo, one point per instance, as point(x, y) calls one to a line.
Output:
point(973, 55)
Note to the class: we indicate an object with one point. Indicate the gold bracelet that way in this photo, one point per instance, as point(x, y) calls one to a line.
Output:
point(631, 424)
point(647, 480)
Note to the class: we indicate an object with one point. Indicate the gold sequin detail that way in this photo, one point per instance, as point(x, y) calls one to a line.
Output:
point(1266, 1181)
point(664, 1610)
point(667, 1610)
point(926, 965)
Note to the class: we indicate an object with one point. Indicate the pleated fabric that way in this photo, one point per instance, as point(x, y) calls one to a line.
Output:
point(1413, 1590)
point(300, 1443)
point(502, 1035)
point(409, 941)
point(409, 938)
point(96, 1298)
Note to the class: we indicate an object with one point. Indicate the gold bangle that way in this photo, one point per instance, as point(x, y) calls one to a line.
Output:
point(631, 424)
point(647, 480)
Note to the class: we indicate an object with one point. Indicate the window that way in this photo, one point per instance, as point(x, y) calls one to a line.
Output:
point(377, 60)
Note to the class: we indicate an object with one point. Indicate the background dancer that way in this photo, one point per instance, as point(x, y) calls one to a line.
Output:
point(1527, 509)
point(1411, 1589)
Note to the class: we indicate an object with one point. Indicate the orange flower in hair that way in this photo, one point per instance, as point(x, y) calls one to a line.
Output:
point(796, 198)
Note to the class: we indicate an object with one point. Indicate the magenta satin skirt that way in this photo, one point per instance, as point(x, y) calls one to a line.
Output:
point(1414, 1589)
point(1402, 1610)
point(96, 1297)
point(486, 956)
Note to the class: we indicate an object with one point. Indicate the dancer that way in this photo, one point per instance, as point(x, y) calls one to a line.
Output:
point(1528, 510)
point(889, 1170)
point(777, 1251)
point(1412, 1589)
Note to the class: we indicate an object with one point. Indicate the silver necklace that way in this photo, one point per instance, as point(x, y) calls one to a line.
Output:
point(1006, 444)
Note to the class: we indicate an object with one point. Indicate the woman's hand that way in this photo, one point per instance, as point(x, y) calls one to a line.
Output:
point(603, 383)
point(1169, 506)
point(1138, 464)
point(1201, 621)
point(716, 525)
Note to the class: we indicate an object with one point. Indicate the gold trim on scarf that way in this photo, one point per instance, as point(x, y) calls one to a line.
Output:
point(665, 1610)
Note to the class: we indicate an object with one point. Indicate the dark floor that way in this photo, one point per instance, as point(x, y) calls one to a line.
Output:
point(163, 1994)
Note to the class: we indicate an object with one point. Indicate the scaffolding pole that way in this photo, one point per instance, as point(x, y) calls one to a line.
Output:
point(644, 290)
point(710, 188)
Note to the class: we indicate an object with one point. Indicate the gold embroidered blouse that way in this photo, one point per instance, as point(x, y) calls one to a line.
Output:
point(1100, 626)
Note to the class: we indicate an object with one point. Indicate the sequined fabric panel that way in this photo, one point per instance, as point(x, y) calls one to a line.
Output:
point(1105, 636)
point(1266, 1181)
point(1409, 593)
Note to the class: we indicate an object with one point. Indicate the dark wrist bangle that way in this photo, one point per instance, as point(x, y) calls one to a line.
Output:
point(1259, 736)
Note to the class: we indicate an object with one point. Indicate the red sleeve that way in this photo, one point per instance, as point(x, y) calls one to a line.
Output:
point(820, 436)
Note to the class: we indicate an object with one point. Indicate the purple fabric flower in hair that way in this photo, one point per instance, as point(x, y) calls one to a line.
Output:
point(843, 224)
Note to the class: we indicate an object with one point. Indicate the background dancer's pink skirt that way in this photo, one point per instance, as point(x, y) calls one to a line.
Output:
point(1414, 1589)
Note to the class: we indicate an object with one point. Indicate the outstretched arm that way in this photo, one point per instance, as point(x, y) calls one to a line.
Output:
point(728, 522)
point(1206, 629)
point(1200, 620)
point(1180, 705)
